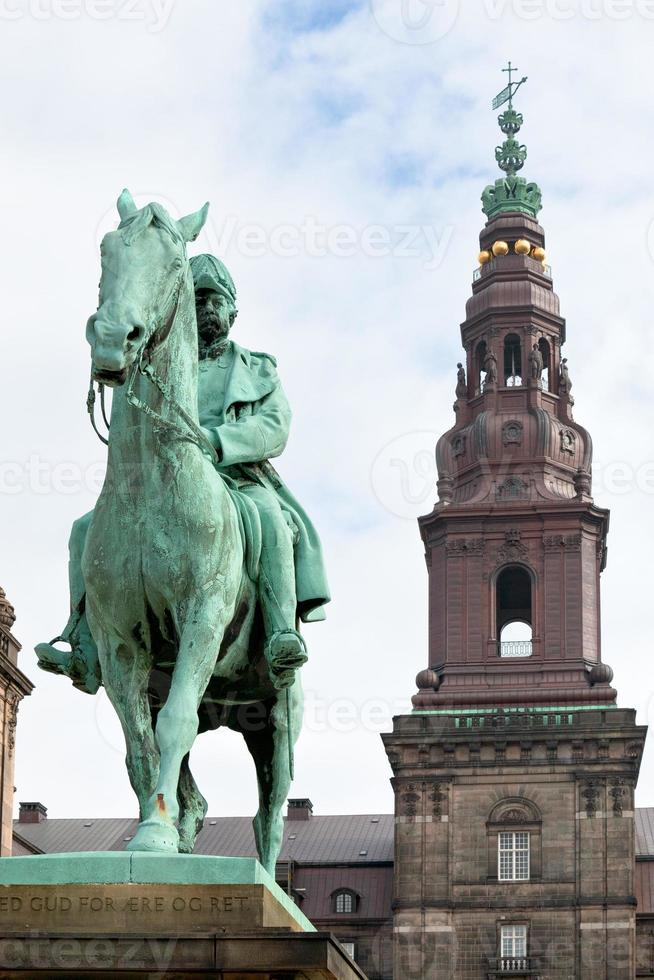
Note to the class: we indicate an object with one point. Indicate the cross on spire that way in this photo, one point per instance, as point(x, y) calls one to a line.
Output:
point(506, 95)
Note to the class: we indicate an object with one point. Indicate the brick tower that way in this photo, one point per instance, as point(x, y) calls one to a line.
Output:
point(514, 776)
point(14, 685)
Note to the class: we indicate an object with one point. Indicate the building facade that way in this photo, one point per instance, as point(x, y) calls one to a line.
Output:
point(14, 686)
point(514, 776)
point(339, 869)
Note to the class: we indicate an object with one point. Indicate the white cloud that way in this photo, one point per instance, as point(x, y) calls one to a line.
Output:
point(345, 126)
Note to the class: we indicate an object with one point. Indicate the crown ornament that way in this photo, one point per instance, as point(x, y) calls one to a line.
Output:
point(511, 192)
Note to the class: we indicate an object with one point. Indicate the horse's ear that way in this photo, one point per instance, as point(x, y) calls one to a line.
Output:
point(192, 224)
point(126, 205)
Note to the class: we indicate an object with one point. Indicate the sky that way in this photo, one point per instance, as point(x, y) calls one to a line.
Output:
point(343, 146)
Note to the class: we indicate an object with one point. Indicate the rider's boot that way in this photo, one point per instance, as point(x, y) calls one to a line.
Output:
point(81, 662)
point(286, 652)
point(285, 649)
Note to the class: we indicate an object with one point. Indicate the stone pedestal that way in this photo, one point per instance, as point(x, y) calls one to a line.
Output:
point(112, 914)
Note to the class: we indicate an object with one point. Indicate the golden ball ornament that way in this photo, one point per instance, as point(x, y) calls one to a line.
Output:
point(539, 254)
point(500, 248)
point(484, 257)
point(522, 247)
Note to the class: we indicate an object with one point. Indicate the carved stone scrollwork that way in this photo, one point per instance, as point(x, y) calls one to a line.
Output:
point(409, 800)
point(590, 795)
point(12, 721)
point(562, 542)
point(513, 488)
point(568, 441)
point(438, 799)
point(458, 446)
point(618, 792)
point(513, 549)
point(465, 546)
point(515, 815)
point(512, 433)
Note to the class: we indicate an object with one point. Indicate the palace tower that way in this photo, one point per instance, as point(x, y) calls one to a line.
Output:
point(514, 776)
point(14, 685)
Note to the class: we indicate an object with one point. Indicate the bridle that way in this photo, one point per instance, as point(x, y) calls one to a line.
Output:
point(143, 366)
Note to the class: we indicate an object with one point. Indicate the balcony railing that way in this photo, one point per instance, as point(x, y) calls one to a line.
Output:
point(479, 271)
point(516, 648)
point(513, 966)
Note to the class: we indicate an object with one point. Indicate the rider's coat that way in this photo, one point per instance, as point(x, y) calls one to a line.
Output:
point(244, 409)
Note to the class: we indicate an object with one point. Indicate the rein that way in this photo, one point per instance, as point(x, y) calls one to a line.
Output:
point(90, 408)
point(143, 366)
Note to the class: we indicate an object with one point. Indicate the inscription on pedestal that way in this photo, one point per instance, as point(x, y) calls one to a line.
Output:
point(142, 908)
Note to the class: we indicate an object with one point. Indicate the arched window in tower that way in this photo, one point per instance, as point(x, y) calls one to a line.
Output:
point(546, 352)
point(512, 360)
point(514, 612)
point(480, 357)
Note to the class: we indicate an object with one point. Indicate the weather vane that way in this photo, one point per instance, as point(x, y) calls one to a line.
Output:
point(506, 95)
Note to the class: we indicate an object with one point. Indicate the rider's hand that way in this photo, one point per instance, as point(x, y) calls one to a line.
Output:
point(213, 439)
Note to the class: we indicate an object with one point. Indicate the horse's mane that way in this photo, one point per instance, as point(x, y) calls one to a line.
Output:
point(152, 214)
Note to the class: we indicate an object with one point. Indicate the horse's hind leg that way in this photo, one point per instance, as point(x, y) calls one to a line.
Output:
point(271, 744)
point(192, 808)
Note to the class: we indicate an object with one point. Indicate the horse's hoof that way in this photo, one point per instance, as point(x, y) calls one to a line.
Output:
point(152, 835)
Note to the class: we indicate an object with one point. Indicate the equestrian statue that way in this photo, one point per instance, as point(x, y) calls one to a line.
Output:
point(190, 577)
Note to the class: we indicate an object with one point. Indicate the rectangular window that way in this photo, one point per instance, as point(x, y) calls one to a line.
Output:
point(514, 942)
point(513, 856)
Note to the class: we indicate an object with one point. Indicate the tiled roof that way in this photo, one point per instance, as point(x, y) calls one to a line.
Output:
point(645, 831)
point(320, 840)
point(357, 839)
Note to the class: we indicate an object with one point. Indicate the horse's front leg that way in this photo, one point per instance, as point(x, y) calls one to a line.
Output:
point(126, 668)
point(177, 722)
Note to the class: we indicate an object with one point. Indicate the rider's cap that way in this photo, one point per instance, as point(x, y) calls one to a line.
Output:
point(210, 273)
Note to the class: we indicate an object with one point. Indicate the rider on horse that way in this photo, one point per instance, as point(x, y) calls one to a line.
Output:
point(245, 414)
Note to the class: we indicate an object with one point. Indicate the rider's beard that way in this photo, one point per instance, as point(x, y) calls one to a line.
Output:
point(213, 328)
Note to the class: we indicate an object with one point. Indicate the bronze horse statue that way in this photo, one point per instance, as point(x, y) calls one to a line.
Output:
point(170, 602)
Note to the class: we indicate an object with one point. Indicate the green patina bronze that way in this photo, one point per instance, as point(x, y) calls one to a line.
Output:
point(189, 577)
point(511, 192)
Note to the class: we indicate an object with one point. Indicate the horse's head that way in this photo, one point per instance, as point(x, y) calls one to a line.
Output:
point(144, 264)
